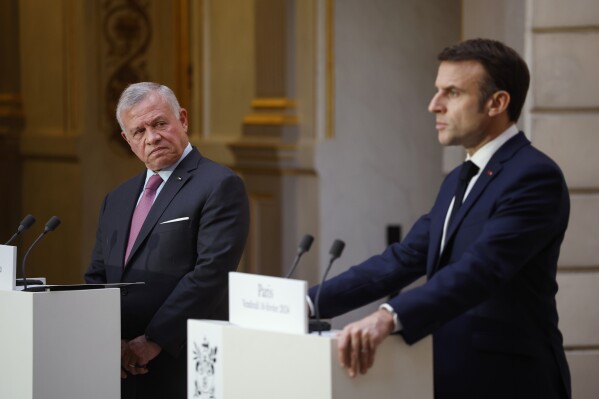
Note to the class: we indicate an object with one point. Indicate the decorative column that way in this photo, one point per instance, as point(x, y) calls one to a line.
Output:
point(274, 153)
point(270, 130)
point(11, 119)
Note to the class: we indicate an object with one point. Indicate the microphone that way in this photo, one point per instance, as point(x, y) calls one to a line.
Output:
point(335, 252)
point(26, 223)
point(304, 247)
point(51, 225)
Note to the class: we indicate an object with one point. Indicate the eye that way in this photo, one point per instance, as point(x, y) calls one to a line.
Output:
point(453, 92)
point(138, 133)
point(160, 124)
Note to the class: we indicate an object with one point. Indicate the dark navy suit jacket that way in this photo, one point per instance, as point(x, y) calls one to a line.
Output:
point(184, 264)
point(489, 299)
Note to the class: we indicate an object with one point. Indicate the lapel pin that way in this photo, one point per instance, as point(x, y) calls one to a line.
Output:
point(490, 172)
point(178, 177)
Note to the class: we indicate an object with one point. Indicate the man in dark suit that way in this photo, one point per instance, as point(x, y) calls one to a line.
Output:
point(192, 236)
point(489, 298)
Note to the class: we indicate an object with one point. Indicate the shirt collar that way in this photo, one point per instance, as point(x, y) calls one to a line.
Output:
point(484, 154)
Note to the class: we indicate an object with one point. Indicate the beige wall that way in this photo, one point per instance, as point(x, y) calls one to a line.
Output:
point(563, 42)
point(383, 166)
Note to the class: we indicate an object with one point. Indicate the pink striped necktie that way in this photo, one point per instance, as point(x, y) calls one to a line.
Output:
point(142, 210)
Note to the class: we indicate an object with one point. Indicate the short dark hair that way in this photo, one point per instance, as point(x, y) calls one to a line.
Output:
point(506, 70)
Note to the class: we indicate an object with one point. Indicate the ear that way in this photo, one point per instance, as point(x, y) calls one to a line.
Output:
point(498, 102)
point(183, 118)
point(124, 136)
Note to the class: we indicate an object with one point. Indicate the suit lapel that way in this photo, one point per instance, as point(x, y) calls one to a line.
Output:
point(175, 182)
point(491, 170)
point(488, 173)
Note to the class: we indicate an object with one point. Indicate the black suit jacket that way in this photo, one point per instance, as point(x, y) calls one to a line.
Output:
point(490, 296)
point(184, 264)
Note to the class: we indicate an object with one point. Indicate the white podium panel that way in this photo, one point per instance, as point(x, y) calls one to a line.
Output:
point(230, 362)
point(8, 267)
point(60, 345)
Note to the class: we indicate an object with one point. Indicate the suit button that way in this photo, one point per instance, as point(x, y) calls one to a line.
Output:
point(124, 291)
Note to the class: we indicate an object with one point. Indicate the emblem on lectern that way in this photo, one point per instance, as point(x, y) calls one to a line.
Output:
point(205, 357)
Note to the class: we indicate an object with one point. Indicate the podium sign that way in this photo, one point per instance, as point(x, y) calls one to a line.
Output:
point(268, 303)
point(8, 267)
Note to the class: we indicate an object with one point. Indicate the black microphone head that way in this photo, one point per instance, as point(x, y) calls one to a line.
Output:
point(52, 224)
point(26, 223)
point(337, 249)
point(305, 244)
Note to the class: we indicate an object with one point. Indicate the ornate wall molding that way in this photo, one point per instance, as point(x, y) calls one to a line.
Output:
point(126, 38)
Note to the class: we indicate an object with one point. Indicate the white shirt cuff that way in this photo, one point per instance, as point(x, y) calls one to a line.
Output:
point(396, 322)
point(310, 306)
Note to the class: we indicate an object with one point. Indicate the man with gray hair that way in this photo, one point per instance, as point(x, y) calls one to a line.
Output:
point(180, 226)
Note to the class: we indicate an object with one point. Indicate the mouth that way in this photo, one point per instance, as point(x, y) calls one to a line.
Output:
point(440, 125)
point(157, 151)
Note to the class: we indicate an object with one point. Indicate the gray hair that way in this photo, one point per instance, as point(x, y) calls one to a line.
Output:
point(137, 92)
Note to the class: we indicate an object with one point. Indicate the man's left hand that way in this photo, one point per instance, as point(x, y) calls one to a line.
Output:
point(358, 341)
point(138, 353)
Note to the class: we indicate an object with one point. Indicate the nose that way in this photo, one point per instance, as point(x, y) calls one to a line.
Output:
point(436, 105)
point(152, 136)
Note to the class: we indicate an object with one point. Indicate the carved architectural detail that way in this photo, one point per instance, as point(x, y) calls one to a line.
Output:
point(127, 33)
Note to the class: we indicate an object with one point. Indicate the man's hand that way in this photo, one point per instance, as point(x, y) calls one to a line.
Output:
point(136, 354)
point(358, 341)
point(123, 350)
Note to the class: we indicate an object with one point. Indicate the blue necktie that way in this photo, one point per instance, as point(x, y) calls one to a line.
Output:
point(468, 171)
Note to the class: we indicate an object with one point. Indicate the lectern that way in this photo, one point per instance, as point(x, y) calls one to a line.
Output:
point(231, 362)
point(60, 344)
